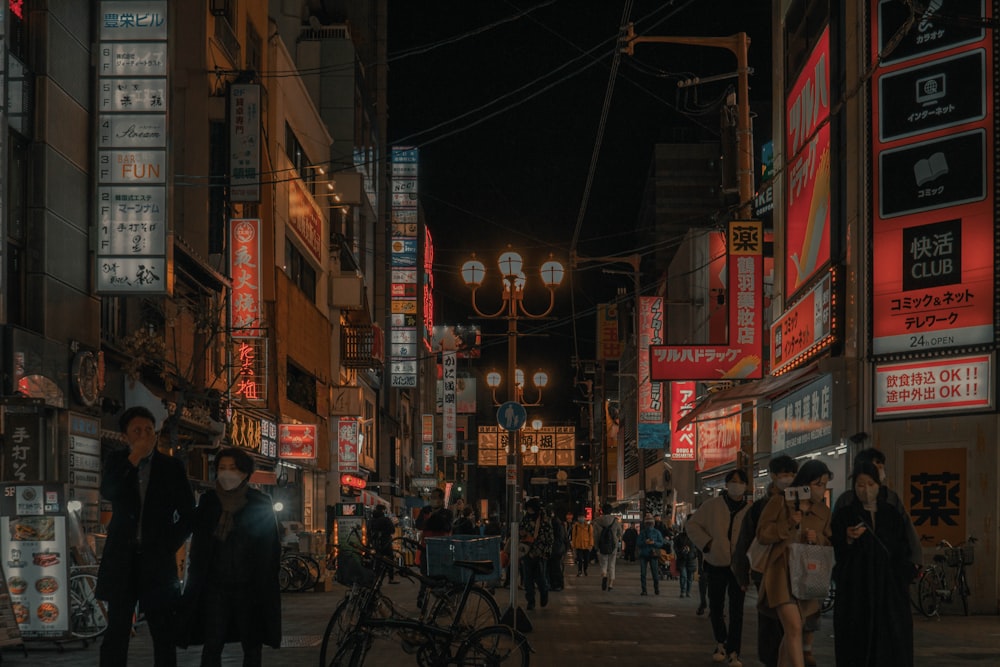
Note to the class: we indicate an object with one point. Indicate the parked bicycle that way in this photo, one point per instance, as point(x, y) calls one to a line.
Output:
point(299, 571)
point(933, 584)
point(451, 614)
point(88, 615)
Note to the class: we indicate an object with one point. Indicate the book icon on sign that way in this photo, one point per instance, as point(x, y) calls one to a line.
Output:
point(928, 169)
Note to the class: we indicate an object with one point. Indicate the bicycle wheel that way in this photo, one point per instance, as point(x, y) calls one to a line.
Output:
point(927, 595)
point(88, 615)
point(495, 645)
point(352, 651)
point(343, 620)
point(312, 565)
point(963, 591)
point(284, 577)
point(480, 611)
point(299, 571)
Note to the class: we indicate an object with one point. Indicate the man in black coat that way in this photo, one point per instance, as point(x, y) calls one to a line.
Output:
point(152, 505)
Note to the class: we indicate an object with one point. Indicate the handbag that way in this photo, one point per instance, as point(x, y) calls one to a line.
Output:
point(757, 554)
point(809, 569)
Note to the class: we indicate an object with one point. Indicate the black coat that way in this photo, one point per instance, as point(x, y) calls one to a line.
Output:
point(251, 557)
point(872, 620)
point(165, 526)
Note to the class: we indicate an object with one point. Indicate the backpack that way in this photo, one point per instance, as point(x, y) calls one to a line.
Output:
point(606, 543)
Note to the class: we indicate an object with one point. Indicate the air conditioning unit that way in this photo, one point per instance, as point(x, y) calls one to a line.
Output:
point(347, 292)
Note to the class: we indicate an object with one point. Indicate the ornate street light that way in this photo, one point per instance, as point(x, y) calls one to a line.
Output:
point(513, 283)
point(540, 379)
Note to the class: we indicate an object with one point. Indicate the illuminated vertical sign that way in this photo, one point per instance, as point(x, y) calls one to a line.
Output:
point(427, 428)
point(427, 311)
point(807, 179)
point(347, 445)
point(650, 333)
point(250, 357)
point(132, 160)
point(682, 401)
point(244, 143)
point(449, 363)
point(743, 357)
point(244, 267)
point(403, 257)
point(933, 135)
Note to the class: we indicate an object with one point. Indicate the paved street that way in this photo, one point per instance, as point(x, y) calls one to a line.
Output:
point(581, 623)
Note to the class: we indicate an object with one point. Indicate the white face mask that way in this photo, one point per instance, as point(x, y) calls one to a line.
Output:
point(868, 495)
point(782, 482)
point(229, 479)
point(736, 490)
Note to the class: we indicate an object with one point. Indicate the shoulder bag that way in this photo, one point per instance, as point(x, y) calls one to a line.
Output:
point(809, 569)
point(757, 554)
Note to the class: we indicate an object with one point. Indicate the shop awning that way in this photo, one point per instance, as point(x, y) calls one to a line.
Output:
point(369, 499)
point(765, 388)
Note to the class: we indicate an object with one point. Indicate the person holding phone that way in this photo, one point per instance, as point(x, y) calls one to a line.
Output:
point(797, 515)
point(872, 621)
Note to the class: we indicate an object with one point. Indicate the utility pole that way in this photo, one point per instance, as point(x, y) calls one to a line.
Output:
point(738, 45)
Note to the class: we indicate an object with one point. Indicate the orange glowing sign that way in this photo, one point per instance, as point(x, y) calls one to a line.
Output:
point(244, 266)
point(297, 441)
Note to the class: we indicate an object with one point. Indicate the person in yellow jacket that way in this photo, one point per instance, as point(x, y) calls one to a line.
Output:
point(582, 541)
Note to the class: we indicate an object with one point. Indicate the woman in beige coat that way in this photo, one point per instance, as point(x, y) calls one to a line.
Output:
point(781, 523)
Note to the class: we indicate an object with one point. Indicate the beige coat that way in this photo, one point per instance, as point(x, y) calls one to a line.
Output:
point(775, 528)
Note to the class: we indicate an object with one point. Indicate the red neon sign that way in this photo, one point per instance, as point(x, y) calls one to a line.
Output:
point(353, 481)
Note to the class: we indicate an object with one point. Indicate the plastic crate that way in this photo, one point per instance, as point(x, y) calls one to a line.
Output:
point(442, 552)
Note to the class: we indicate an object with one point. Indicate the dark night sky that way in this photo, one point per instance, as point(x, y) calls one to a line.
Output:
point(518, 175)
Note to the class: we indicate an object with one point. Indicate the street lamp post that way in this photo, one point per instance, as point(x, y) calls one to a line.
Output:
point(513, 282)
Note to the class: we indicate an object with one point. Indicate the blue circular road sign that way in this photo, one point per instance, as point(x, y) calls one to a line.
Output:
point(511, 416)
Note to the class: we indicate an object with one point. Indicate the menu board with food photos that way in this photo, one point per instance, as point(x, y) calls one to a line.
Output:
point(10, 631)
point(35, 558)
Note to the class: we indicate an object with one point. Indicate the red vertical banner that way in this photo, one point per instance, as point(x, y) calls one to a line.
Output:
point(650, 333)
point(682, 441)
point(244, 267)
point(609, 345)
point(807, 180)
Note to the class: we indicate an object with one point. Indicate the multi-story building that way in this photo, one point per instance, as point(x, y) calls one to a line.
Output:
point(186, 231)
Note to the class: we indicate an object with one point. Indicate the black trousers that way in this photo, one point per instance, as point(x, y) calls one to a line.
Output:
point(535, 574)
point(722, 582)
point(555, 565)
point(114, 647)
point(229, 613)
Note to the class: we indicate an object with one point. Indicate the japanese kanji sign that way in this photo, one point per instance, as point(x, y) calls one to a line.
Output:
point(347, 445)
point(956, 384)
point(449, 364)
point(245, 269)
point(742, 357)
point(934, 491)
point(807, 179)
point(244, 143)
point(298, 441)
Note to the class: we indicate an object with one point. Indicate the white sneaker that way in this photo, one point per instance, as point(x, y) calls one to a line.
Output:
point(734, 660)
point(720, 653)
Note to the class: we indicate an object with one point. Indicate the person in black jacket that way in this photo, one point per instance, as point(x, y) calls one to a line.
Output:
point(232, 591)
point(381, 530)
point(151, 505)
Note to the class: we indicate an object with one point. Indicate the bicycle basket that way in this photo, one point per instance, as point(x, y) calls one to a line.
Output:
point(442, 552)
point(953, 556)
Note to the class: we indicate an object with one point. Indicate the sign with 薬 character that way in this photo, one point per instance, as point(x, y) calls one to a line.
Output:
point(934, 492)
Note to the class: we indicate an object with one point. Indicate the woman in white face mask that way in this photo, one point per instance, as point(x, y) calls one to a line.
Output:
point(872, 576)
point(232, 589)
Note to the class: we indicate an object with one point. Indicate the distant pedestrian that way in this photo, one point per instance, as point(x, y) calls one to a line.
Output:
point(629, 537)
point(872, 577)
point(769, 632)
point(582, 539)
point(686, 554)
point(560, 542)
point(607, 538)
point(465, 524)
point(650, 543)
point(535, 531)
point(784, 521)
point(434, 520)
point(714, 529)
point(380, 533)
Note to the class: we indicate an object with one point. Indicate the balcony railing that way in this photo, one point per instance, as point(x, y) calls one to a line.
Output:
point(362, 346)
